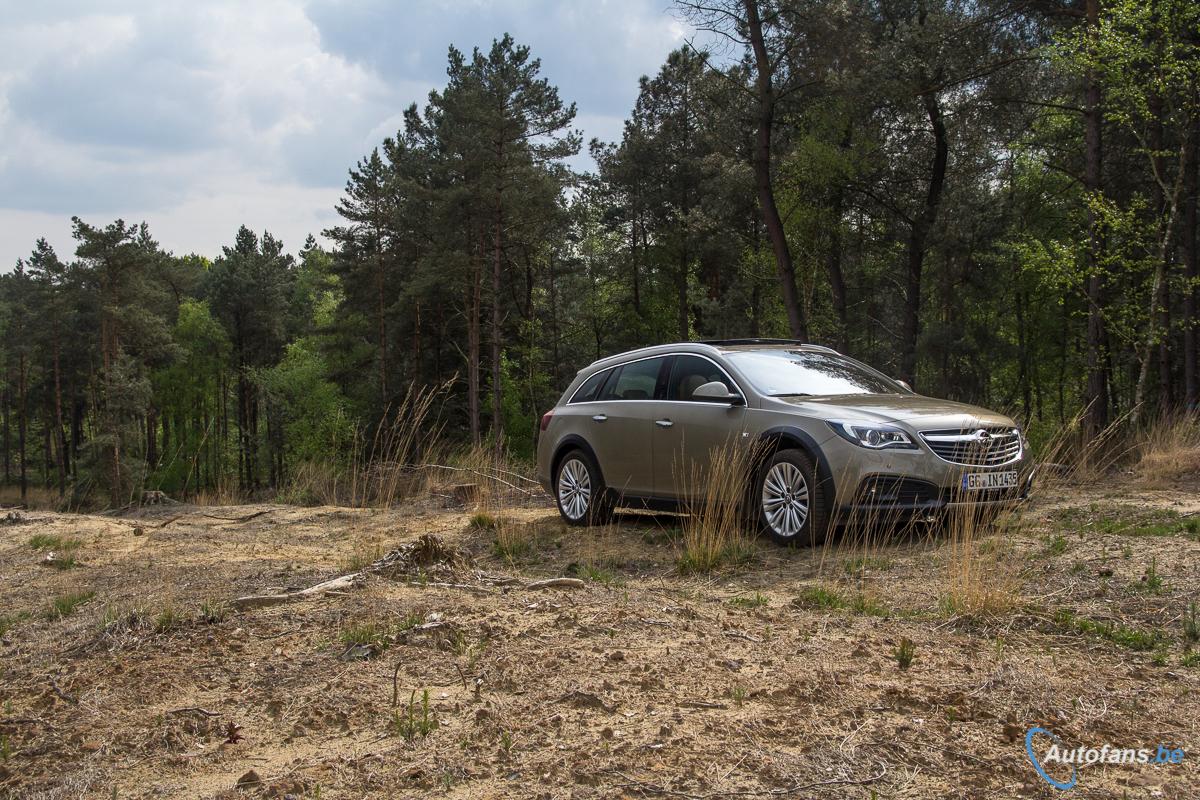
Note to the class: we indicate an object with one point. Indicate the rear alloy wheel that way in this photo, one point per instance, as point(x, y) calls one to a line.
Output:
point(790, 504)
point(580, 492)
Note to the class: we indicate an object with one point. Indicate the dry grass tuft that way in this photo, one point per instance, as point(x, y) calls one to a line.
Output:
point(715, 521)
point(979, 580)
point(1168, 450)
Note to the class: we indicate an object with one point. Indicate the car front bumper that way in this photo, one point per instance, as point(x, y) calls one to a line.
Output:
point(913, 482)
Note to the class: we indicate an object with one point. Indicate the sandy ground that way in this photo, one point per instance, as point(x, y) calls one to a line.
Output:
point(777, 677)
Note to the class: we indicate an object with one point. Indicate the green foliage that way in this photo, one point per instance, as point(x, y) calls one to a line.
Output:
point(415, 720)
point(65, 605)
point(1122, 635)
point(757, 601)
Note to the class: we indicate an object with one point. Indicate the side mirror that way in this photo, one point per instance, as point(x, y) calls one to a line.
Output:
point(904, 384)
point(716, 392)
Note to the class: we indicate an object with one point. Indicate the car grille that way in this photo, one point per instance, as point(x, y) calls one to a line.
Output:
point(975, 447)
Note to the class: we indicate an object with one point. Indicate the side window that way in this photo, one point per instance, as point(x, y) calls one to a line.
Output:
point(636, 381)
point(591, 387)
point(689, 373)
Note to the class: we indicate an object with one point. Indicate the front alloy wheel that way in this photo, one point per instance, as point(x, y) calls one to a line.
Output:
point(785, 499)
point(791, 505)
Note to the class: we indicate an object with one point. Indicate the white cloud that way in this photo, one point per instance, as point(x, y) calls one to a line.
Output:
point(198, 117)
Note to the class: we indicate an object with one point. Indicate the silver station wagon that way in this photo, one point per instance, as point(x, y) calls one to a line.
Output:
point(831, 438)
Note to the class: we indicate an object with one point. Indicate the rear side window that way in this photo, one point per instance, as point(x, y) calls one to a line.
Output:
point(636, 381)
point(591, 387)
point(689, 373)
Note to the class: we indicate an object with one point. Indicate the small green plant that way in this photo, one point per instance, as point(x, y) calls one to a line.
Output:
point(416, 720)
point(361, 559)
point(865, 604)
point(1055, 545)
point(1191, 623)
point(1152, 582)
point(9, 621)
point(738, 695)
point(597, 574)
point(167, 619)
point(409, 621)
point(820, 597)
point(6, 750)
point(1121, 635)
point(1191, 659)
point(1191, 528)
point(1078, 568)
point(904, 653)
point(213, 611)
point(365, 633)
point(49, 541)
point(483, 521)
point(862, 564)
point(67, 604)
point(660, 536)
point(506, 743)
point(757, 601)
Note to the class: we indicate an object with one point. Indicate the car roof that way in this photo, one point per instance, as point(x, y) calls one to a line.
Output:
point(706, 347)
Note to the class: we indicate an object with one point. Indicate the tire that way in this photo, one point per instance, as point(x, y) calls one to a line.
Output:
point(789, 503)
point(579, 490)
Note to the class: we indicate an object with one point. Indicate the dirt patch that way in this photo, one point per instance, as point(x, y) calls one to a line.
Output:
point(442, 672)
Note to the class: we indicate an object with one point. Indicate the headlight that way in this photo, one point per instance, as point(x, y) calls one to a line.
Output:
point(873, 437)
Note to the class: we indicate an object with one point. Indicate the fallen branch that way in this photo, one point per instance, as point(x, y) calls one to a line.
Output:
point(264, 600)
point(246, 518)
point(479, 473)
point(467, 586)
point(701, 704)
point(194, 710)
point(58, 691)
point(557, 583)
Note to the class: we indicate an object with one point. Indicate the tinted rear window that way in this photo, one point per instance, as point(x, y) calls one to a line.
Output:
point(636, 381)
point(591, 387)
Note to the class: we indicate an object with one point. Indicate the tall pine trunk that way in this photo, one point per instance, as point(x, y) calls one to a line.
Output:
point(381, 324)
point(1191, 268)
point(765, 96)
point(60, 437)
point(5, 401)
point(837, 280)
point(474, 323)
point(497, 389)
point(1096, 396)
point(22, 424)
point(918, 238)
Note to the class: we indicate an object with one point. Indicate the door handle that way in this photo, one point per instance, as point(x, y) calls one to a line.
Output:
point(663, 423)
point(599, 417)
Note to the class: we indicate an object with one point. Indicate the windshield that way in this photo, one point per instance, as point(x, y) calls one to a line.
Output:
point(789, 373)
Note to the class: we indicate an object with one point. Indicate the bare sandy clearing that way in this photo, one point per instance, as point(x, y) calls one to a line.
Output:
point(777, 678)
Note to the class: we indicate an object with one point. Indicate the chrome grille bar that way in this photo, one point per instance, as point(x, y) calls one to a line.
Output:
point(975, 447)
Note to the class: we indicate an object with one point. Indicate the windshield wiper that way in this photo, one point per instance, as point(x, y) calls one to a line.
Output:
point(792, 394)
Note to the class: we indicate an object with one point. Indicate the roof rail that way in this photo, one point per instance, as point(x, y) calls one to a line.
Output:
point(732, 342)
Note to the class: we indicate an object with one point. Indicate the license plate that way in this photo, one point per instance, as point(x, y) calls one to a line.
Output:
point(973, 481)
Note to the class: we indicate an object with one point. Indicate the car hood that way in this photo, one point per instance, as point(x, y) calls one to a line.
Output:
point(922, 413)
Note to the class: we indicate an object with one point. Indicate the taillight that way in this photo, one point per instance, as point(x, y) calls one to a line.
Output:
point(546, 419)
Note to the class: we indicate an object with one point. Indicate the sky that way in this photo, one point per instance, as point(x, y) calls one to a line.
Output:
point(199, 116)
